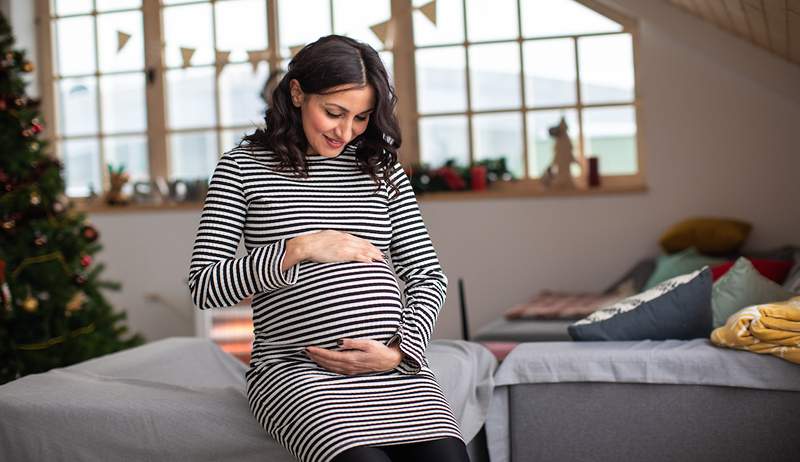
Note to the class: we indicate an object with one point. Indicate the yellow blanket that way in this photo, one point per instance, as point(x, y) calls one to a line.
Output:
point(771, 328)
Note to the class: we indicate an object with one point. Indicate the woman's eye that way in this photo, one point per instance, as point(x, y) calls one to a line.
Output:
point(332, 114)
point(362, 118)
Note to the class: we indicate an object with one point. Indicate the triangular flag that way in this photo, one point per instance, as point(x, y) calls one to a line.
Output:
point(122, 39)
point(385, 32)
point(187, 54)
point(256, 56)
point(429, 10)
point(223, 57)
point(295, 49)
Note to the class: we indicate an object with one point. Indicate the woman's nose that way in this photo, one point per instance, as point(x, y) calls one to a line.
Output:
point(345, 128)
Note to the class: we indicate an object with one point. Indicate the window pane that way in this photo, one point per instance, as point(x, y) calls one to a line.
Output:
point(542, 18)
point(241, 26)
point(231, 138)
point(495, 20)
point(188, 27)
point(354, 18)
point(110, 5)
point(610, 134)
point(81, 166)
point(388, 62)
point(494, 76)
point(124, 105)
point(606, 67)
point(302, 22)
point(190, 97)
point(449, 28)
point(130, 152)
point(541, 144)
point(74, 39)
point(192, 155)
point(65, 7)
point(77, 106)
point(499, 135)
point(240, 94)
point(549, 72)
point(443, 138)
point(441, 80)
point(131, 56)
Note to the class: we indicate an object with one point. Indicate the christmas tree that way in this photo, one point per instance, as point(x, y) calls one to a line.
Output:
point(52, 313)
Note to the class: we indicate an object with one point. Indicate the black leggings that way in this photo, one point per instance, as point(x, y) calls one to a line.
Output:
point(449, 449)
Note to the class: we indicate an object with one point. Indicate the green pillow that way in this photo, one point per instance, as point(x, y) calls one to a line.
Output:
point(740, 287)
point(683, 262)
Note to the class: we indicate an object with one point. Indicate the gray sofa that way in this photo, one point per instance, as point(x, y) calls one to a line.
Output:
point(672, 400)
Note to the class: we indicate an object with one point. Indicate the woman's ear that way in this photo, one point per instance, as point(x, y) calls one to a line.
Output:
point(297, 92)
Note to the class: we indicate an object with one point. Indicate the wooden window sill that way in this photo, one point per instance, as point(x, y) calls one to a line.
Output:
point(505, 190)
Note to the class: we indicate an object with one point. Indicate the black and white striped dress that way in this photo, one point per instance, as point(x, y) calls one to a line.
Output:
point(313, 412)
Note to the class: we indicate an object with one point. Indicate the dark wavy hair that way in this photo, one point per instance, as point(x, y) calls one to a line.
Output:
point(332, 61)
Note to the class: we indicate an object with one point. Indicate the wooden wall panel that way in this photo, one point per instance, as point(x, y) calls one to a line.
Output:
point(770, 24)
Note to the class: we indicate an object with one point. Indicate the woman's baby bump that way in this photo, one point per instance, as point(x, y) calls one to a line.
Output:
point(331, 301)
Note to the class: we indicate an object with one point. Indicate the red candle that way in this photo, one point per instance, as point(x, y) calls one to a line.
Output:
point(478, 177)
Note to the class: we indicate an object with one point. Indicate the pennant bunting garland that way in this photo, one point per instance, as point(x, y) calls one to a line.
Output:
point(122, 40)
point(186, 54)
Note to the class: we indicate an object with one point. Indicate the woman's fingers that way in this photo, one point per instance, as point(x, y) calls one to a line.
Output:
point(342, 362)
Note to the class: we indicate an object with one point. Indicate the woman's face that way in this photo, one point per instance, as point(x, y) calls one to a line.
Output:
point(332, 120)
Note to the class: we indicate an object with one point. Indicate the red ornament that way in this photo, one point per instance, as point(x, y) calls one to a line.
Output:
point(36, 127)
point(86, 260)
point(3, 105)
point(452, 179)
point(478, 177)
point(89, 233)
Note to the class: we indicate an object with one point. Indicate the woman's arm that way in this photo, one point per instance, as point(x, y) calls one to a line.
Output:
point(216, 278)
point(417, 265)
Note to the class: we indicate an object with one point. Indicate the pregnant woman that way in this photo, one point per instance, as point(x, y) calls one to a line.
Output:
point(338, 370)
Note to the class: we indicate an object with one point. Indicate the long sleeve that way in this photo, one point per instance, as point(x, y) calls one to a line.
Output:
point(216, 278)
point(417, 265)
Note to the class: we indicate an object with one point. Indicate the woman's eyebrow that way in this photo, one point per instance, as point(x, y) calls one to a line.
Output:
point(346, 110)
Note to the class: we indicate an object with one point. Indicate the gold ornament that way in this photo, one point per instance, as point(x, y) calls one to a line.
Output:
point(33, 145)
point(35, 199)
point(76, 302)
point(30, 304)
point(28, 66)
point(8, 224)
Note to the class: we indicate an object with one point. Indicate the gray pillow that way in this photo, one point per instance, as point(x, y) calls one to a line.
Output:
point(678, 308)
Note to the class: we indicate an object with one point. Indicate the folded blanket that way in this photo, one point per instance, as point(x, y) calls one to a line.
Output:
point(771, 328)
point(561, 305)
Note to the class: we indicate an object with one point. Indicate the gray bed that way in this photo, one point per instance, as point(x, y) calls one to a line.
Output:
point(671, 400)
point(183, 398)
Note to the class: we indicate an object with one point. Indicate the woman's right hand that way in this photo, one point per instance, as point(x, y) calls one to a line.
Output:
point(328, 246)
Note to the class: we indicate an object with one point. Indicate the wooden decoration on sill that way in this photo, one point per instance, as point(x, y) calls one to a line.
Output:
point(558, 174)
point(118, 178)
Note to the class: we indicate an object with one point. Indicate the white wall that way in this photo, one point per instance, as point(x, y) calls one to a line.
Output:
point(721, 129)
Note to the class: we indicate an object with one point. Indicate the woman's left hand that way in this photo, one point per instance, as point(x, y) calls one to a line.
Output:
point(363, 356)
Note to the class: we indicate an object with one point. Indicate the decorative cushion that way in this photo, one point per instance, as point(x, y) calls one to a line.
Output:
point(678, 308)
point(775, 270)
point(740, 287)
point(685, 261)
point(792, 281)
point(713, 236)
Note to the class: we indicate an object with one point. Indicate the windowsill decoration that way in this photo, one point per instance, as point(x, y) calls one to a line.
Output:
point(478, 176)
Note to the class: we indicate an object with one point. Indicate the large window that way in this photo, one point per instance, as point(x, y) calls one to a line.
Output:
point(486, 78)
point(492, 77)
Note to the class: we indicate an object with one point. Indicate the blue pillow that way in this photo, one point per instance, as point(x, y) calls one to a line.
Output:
point(678, 308)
